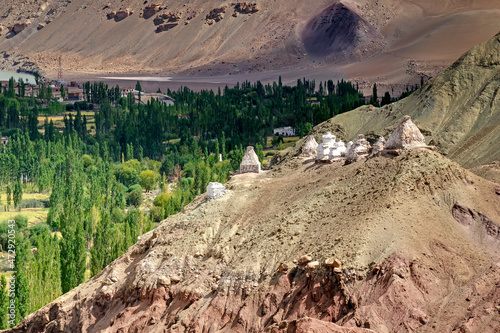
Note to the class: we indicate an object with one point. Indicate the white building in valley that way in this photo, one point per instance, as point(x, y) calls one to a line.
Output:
point(284, 131)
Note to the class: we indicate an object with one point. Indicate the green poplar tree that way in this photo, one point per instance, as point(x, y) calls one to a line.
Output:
point(375, 95)
point(9, 197)
point(18, 194)
point(101, 251)
point(223, 145)
point(130, 152)
point(217, 150)
point(4, 302)
point(22, 293)
point(73, 257)
point(139, 89)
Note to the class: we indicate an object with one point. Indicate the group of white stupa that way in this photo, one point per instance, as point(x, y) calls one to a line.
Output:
point(249, 164)
point(405, 136)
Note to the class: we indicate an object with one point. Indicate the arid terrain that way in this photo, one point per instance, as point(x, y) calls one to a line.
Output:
point(397, 242)
point(386, 41)
point(458, 110)
point(417, 236)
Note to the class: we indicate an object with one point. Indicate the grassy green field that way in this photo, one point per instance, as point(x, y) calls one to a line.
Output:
point(174, 141)
point(58, 120)
point(36, 196)
point(288, 142)
point(34, 215)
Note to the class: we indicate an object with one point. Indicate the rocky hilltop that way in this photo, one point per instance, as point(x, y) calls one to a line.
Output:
point(220, 37)
point(458, 111)
point(390, 243)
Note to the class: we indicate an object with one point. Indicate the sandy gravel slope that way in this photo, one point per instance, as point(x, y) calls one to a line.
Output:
point(388, 41)
point(417, 235)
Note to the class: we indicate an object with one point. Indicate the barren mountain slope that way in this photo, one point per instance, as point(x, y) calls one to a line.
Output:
point(458, 111)
point(219, 37)
point(416, 233)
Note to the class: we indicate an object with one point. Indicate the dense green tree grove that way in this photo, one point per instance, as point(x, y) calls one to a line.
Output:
point(97, 182)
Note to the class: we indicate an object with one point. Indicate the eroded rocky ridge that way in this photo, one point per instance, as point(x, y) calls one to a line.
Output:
point(458, 111)
point(261, 258)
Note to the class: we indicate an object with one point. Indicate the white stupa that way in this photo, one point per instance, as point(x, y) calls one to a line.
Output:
point(349, 145)
point(379, 145)
point(361, 147)
point(310, 147)
point(215, 190)
point(406, 135)
point(326, 146)
point(338, 151)
point(250, 162)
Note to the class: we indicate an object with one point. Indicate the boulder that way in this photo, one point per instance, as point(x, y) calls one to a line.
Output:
point(331, 262)
point(312, 265)
point(305, 259)
point(164, 281)
point(246, 8)
point(166, 27)
point(379, 145)
point(111, 15)
point(40, 26)
point(167, 17)
point(250, 162)
point(310, 147)
point(283, 268)
point(360, 148)
point(151, 10)
point(122, 14)
point(175, 279)
point(216, 14)
point(406, 135)
point(215, 190)
point(20, 26)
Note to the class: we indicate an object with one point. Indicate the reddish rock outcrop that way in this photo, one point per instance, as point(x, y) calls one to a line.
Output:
point(471, 218)
point(398, 294)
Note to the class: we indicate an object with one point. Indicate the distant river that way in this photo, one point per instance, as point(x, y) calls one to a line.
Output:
point(5, 76)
